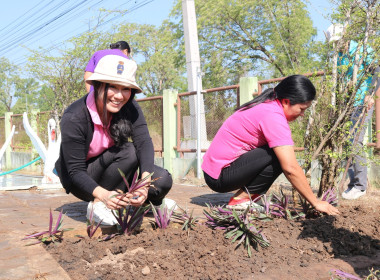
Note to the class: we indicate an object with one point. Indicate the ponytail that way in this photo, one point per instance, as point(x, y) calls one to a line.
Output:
point(121, 45)
point(296, 88)
point(268, 94)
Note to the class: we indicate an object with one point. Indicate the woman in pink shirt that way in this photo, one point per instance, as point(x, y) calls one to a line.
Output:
point(120, 48)
point(254, 146)
point(105, 131)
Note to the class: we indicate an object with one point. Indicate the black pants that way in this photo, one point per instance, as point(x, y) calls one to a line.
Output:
point(104, 170)
point(255, 170)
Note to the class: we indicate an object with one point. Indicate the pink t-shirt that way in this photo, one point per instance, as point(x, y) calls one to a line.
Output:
point(101, 141)
point(263, 124)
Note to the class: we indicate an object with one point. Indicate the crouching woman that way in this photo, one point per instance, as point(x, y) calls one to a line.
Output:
point(95, 143)
point(254, 146)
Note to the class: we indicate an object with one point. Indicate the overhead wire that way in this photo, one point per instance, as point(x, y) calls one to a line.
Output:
point(21, 17)
point(38, 28)
point(54, 27)
point(70, 34)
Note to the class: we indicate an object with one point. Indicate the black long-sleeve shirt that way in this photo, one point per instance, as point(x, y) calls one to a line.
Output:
point(77, 130)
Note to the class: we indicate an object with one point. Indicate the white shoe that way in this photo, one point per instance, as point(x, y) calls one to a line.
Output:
point(243, 206)
point(101, 213)
point(169, 203)
point(353, 193)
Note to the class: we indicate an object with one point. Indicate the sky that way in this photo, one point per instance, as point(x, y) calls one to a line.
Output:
point(47, 23)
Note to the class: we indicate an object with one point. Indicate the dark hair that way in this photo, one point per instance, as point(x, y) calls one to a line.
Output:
point(121, 45)
point(297, 88)
point(120, 128)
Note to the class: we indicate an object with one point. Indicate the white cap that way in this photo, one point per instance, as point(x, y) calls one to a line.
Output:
point(334, 32)
point(115, 69)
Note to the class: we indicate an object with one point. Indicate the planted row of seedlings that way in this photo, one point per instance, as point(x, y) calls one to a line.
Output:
point(238, 226)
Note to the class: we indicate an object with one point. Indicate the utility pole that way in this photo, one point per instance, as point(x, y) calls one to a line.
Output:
point(193, 65)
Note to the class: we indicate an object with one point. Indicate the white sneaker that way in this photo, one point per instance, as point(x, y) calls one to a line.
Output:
point(243, 206)
point(169, 203)
point(353, 193)
point(101, 213)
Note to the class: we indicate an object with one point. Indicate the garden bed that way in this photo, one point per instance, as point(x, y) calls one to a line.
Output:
point(303, 249)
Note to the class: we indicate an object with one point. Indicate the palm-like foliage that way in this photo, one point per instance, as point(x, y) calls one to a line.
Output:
point(52, 234)
point(238, 226)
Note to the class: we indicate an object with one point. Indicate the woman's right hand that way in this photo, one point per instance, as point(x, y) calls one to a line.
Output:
point(325, 207)
point(110, 198)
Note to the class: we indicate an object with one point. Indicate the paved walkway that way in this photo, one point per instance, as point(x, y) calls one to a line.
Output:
point(26, 211)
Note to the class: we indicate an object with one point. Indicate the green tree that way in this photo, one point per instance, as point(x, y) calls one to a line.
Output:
point(62, 74)
point(26, 89)
point(328, 140)
point(9, 77)
point(237, 37)
point(154, 50)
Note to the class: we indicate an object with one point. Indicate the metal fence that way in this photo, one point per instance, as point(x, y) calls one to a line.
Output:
point(153, 112)
point(20, 140)
point(2, 131)
point(151, 106)
point(219, 104)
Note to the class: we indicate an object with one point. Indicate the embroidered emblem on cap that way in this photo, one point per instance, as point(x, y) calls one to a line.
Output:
point(120, 67)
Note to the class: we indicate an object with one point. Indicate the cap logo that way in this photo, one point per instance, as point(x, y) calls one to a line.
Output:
point(120, 67)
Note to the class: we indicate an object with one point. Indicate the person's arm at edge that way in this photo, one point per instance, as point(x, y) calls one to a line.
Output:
point(294, 173)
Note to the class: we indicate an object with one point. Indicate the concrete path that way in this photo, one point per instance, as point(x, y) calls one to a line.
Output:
point(23, 212)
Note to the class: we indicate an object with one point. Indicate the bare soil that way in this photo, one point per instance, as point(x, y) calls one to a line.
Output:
point(303, 249)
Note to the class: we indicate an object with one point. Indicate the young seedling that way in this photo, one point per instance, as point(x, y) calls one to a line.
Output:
point(281, 208)
point(187, 219)
point(51, 235)
point(341, 275)
point(262, 210)
point(91, 225)
point(330, 196)
point(309, 212)
point(162, 215)
point(238, 226)
point(130, 217)
point(136, 184)
point(306, 206)
point(373, 275)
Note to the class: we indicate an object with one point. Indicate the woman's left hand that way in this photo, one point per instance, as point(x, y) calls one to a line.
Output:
point(138, 197)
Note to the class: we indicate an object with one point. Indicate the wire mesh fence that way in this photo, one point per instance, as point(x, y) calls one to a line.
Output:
point(152, 108)
point(20, 140)
point(216, 105)
point(2, 131)
point(153, 112)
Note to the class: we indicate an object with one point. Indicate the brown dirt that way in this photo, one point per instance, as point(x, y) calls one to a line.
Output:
point(305, 249)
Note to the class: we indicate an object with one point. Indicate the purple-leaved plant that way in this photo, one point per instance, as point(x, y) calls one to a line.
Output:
point(306, 206)
point(91, 225)
point(238, 226)
point(281, 207)
point(341, 275)
point(330, 196)
point(162, 215)
point(51, 235)
point(187, 219)
point(136, 184)
point(130, 217)
point(309, 212)
point(263, 209)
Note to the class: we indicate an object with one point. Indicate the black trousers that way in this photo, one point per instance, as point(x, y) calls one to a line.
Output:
point(255, 170)
point(104, 170)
